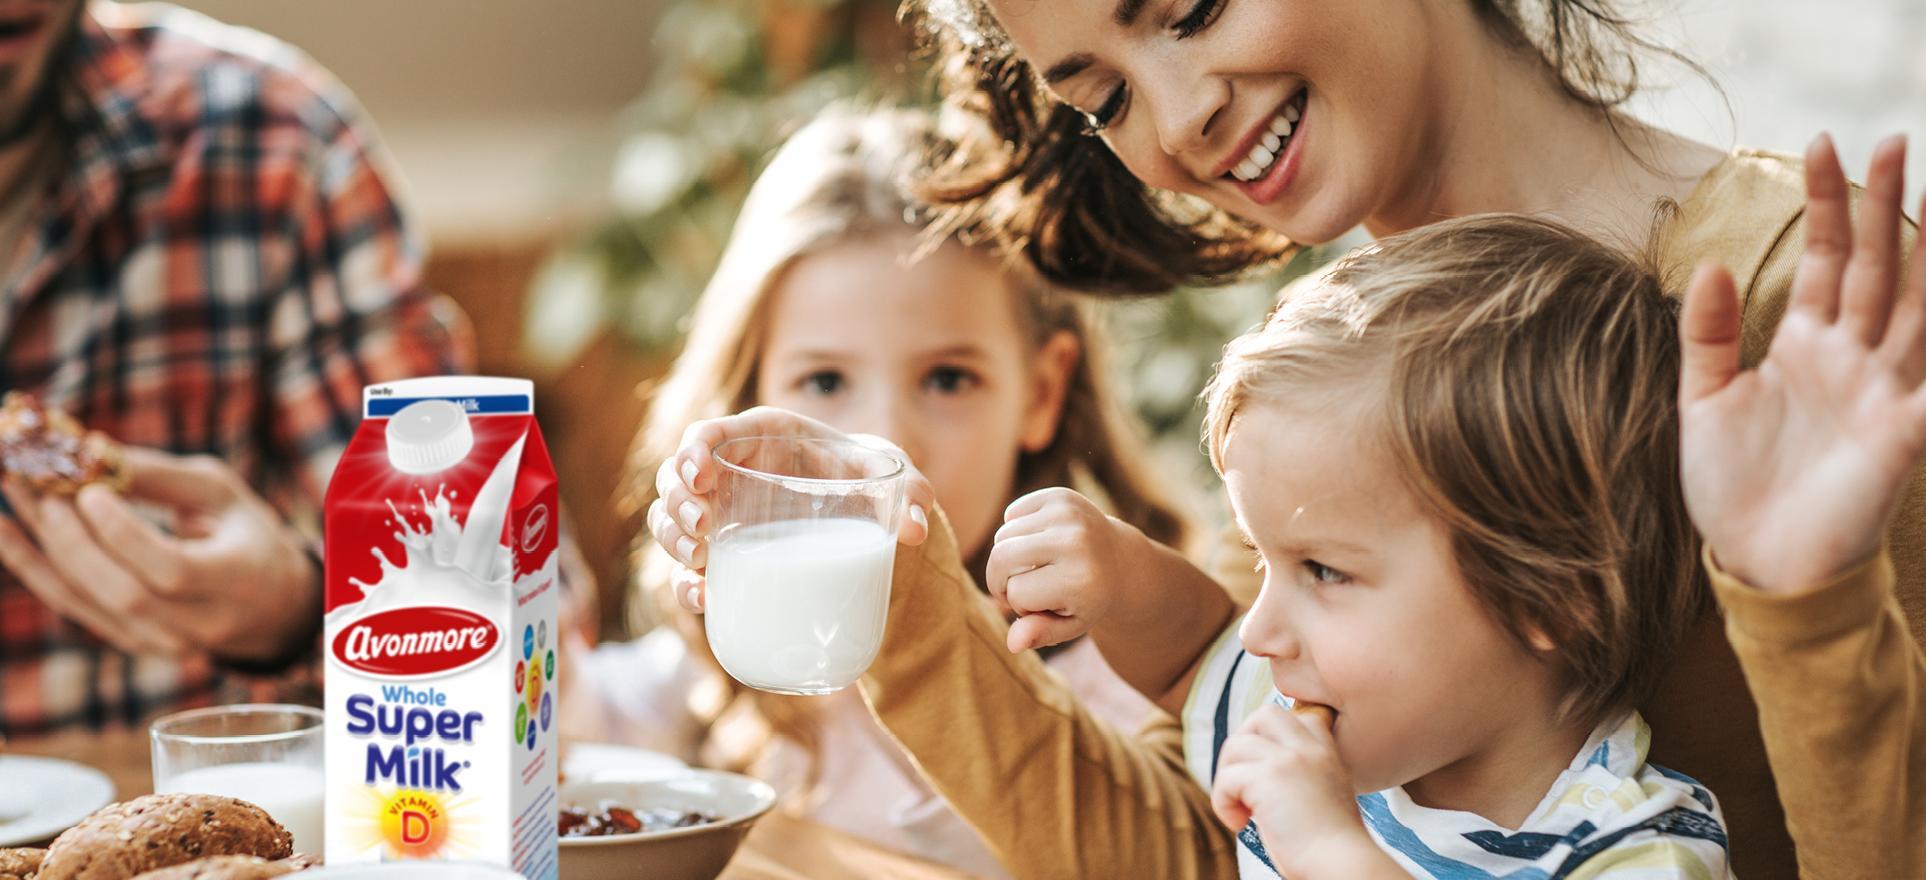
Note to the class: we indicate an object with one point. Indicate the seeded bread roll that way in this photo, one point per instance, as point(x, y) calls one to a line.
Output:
point(228, 868)
point(21, 863)
point(126, 839)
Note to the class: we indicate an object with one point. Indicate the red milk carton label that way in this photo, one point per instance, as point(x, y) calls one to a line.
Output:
point(441, 633)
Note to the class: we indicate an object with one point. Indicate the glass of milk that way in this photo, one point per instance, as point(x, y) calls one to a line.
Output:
point(799, 562)
point(266, 754)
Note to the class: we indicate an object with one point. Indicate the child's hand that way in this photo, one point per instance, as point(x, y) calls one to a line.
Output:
point(1281, 769)
point(1793, 469)
point(683, 514)
point(1057, 563)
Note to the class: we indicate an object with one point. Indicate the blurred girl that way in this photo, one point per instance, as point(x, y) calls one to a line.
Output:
point(988, 381)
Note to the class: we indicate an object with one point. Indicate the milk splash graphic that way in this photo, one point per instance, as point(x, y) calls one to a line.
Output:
point(445, 563)
point(441, 630)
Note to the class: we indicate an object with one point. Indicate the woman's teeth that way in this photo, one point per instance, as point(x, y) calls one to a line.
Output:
point(1265, 153)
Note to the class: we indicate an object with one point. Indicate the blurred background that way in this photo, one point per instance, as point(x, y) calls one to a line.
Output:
point(577, 164)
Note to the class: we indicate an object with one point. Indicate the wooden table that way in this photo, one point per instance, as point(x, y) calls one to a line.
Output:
point(782, 847)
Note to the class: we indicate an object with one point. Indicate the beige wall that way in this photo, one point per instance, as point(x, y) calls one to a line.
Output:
point(1792, 68)
point(500, 113)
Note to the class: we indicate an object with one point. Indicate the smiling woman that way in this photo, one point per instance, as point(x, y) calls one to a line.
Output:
point(1370, 105)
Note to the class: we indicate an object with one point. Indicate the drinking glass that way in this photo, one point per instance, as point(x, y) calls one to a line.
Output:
point(799, 564)
point(266, 754)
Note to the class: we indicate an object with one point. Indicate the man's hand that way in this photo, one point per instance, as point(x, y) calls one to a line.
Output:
point(230, 579)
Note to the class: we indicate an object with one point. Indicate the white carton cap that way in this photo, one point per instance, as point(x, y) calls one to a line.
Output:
point(429, 436)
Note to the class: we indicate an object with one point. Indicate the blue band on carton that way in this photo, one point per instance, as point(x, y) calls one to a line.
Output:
point(487, 405)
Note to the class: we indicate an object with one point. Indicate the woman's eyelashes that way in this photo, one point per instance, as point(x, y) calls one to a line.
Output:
point(1095, 121)
point(1201, 15)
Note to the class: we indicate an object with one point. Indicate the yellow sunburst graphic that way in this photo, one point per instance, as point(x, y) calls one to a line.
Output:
point(532, 689)
point(406, 824)
point(414, 824)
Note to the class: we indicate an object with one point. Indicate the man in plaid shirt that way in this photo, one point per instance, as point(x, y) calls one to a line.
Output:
point(199, 257)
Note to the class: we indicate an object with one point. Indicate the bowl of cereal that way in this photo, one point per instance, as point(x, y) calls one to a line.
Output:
point(682, 828)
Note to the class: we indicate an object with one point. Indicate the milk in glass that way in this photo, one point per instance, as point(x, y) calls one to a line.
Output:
point(799, 605)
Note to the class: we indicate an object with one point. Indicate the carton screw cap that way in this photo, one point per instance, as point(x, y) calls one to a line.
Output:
point(429, 436)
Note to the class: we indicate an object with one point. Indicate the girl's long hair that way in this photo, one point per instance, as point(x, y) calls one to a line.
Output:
point(847, 175)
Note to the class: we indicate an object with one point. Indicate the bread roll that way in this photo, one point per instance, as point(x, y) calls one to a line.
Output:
point(124, 840)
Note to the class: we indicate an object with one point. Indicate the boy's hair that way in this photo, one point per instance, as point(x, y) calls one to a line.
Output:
point(1530, 380)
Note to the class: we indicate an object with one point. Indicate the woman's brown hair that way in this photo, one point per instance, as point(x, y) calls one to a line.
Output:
point(842, 177)
point(1039, 185)
point(1525, 380)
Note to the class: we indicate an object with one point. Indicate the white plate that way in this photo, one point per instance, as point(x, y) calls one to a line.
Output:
point(41, 797)
point(603, 762)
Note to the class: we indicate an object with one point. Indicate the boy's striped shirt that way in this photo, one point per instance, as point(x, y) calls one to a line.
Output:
point(1609, 816)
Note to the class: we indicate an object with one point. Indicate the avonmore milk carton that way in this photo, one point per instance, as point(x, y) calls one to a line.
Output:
point(441, 634)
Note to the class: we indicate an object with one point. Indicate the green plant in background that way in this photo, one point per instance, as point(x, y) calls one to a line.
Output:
point(1164, 348)
point(732, 78)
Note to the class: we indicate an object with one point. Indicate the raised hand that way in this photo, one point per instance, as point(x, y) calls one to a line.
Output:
point(1792, 470)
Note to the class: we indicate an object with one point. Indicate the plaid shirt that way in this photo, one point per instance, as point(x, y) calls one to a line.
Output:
point(219, 268)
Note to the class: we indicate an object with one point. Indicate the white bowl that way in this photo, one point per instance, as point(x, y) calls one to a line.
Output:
point(698, 852)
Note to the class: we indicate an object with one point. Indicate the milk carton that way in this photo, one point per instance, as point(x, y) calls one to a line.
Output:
point(441, 634)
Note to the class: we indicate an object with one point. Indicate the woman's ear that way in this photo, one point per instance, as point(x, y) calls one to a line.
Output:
point(1051, 369)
